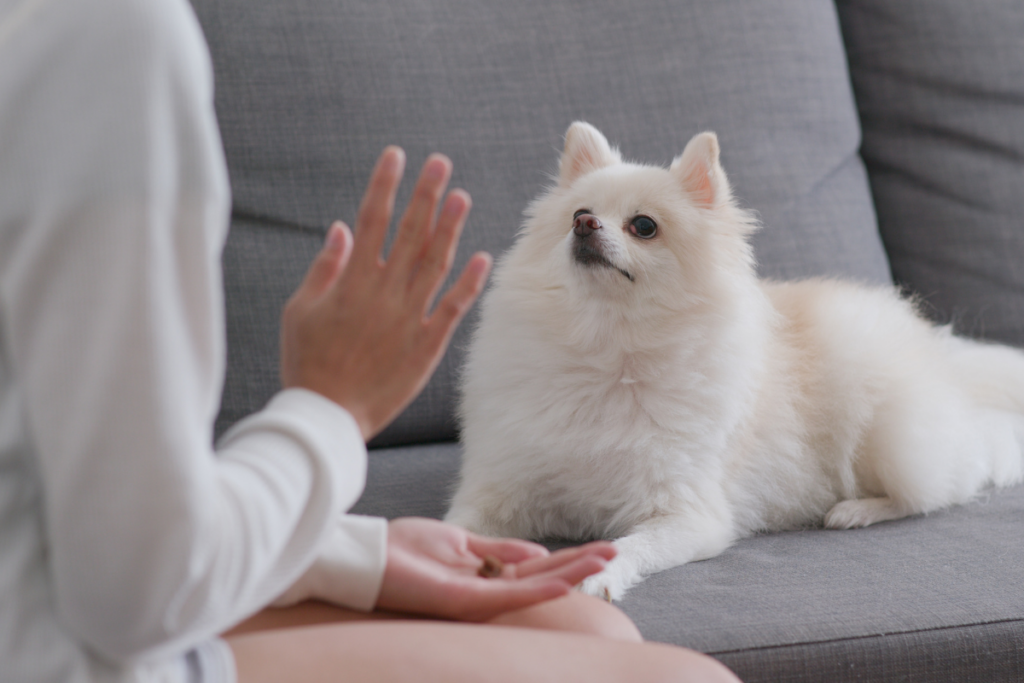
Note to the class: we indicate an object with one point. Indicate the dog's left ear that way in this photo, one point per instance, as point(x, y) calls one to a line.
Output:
point(700, 172)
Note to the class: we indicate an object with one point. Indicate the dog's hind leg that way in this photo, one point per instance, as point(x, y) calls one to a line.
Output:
point(927, 447)
point(943, 469)
point(849, 514)
point(994, 377)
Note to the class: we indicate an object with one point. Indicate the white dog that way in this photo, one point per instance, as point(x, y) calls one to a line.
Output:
point(632, 378)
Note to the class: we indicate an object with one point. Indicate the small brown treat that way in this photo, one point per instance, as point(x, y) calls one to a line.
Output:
point(491, 567)
point(607, 595)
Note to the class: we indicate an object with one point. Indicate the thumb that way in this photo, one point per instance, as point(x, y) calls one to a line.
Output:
point(329, 263)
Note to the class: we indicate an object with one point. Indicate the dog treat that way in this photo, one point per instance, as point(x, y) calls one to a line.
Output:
point(491, 567)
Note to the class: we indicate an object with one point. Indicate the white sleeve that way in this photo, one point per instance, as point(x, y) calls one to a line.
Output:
point(113, 209)
point(349, 569)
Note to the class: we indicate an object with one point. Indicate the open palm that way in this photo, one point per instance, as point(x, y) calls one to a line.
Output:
point(432, 569)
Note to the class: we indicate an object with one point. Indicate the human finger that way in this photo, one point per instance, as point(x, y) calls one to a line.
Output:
point(456, 302)
point(494, 596)
point(572, 572)
point(491, 598)
point(506, 549)
point(376, 207)
point(571, 568)
point(417, 222)
point(600, 549)
point(328, 263)
point(439, 253)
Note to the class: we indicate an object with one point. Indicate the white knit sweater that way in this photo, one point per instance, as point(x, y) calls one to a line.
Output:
point(125, 538)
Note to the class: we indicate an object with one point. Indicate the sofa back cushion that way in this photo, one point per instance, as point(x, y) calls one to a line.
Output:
point(310, 91)
point(940, 87)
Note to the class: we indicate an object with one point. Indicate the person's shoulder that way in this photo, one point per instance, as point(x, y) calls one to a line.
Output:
point(135, 31)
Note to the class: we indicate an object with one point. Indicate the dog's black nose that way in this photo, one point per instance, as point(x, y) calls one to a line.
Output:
point(584, 224)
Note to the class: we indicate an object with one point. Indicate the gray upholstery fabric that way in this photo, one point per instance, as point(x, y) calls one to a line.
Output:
point(821, 585)
point(984, 653)
point(940, 87)
point(415, 481)
point(943, 589)
point(263, 263)
point(310, 91)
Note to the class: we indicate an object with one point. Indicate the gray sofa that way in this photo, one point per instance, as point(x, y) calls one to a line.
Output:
point(879, 140)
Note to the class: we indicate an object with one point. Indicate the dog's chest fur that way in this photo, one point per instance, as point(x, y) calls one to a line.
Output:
point(605, 459)
point(590, 438)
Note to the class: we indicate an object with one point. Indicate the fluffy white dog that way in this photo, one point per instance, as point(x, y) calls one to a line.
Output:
point(632, 378)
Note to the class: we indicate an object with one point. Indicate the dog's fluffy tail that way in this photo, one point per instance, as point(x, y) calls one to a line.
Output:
point(993, 375)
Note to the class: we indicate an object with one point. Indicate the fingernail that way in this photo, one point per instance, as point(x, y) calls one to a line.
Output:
point(454, 204)
point(435, 169)
point(334, 239)
point(394, 159)
point(479, 266)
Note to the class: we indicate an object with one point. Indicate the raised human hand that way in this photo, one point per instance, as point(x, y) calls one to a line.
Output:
point(432, 569)
point(359, 329)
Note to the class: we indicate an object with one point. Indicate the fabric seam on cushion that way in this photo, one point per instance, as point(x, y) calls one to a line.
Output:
point(921, 183)
point(864, 637)
point(905, 75)
point(263, 220)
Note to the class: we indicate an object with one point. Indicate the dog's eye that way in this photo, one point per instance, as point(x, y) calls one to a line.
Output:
point(643, 227)
point(580, 213)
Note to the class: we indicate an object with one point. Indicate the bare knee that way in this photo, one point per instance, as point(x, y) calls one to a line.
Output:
point(575, 613)
point(669, 663)
point(450, 653)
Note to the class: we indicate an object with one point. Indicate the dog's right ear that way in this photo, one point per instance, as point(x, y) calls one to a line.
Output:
point(586, 150)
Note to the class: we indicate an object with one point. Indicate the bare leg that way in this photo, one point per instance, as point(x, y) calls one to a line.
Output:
point(308, 613)
point(577, 613)
point(425, 651)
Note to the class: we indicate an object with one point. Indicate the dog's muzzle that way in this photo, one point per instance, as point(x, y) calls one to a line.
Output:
point(586, 247)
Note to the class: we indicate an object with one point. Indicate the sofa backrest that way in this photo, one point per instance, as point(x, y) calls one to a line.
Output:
point(940, 88)
point(310, 91)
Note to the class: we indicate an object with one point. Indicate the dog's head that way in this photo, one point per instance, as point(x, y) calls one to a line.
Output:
point(635, 234)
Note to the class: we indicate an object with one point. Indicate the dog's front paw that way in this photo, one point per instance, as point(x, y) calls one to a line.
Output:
point(611, 584)
point(599, 588)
